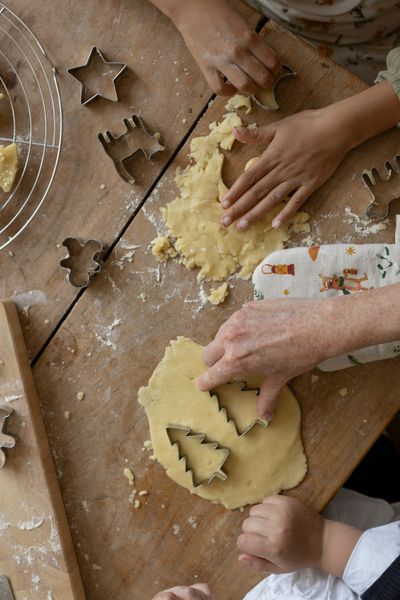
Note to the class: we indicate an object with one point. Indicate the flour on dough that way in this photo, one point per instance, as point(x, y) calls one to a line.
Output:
point(263, 462)
point(193, 218)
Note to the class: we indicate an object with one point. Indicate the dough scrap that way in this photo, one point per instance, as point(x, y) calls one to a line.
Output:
point(239, 101)
point(193, 219)
point(162, 249)
point(8, 166)
point(218, 295)
point(262, 462)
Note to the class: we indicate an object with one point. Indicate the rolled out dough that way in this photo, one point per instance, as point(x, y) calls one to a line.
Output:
point(264, 461)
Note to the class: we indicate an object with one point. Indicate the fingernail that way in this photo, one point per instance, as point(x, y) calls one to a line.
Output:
point(225, 203)
point(268, 416)
point(243, 224)
point(226, 221)
point(245, 560)
point(276, 223)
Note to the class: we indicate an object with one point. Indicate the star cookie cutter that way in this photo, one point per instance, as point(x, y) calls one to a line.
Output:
point(381, 192)
point(225, 412)
point(6, 441)
point(219, 474)
point(269, 101)
point(97, 60)
point(84, 260)
point(136, 138)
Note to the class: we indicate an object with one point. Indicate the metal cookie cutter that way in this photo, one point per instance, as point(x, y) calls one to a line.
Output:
point(6, 592)
point(224, 411)
point(105, 69)
point(85, 259)
point(6, 441)
point(219, 473)
point(266, 97)
point(379, 187)
point(135, 138)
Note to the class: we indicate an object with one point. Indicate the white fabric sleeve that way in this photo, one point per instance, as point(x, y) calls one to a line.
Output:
point(375, 551)
point(392, 73)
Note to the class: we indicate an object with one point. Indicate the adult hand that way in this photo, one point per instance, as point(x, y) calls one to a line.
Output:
point(198, 591)
point(278, 339)
point(302, 152)
point(223, 45)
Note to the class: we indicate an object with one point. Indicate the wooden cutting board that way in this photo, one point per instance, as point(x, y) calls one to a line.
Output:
point(36, 551)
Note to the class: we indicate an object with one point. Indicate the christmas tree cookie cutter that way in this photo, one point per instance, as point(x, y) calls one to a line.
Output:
point(6, 441)
point(84, 260)
point(136, 138)
point(197, 482)
point(105, 69)
point(266, 97)
point(222, 409)
point(381, 192)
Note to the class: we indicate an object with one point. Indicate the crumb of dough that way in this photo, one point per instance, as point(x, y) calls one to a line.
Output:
point(137, 504)
point(129, 475)
point(80, 396)
point(148, 444)
point(162, 249)
point(239, 101)
point(300, 223)
point(143, 297)
point(8, 166)
point(314, 378)
point(218, 295)
point(343, 392)
point(143, 493)
point(2, 96)
point(67, 414)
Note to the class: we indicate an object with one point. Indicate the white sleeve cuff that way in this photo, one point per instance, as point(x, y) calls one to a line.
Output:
point(374, 553)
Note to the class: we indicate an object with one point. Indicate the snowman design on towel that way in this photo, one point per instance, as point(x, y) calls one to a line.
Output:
point(331, 270)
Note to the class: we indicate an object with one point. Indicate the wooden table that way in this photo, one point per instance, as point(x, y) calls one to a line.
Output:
point(106, 341)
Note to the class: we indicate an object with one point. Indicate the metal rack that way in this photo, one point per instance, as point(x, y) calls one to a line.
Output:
point(30, 116)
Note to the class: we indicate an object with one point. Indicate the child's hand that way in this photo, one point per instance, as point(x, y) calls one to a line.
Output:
point(302, 152)
point(282, 535)
point(223, 45)
point(199, 591)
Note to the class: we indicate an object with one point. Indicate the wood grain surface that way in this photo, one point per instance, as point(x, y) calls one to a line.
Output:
point(111, 341)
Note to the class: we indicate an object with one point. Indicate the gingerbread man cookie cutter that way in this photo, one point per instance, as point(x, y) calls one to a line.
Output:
point(136, 138)
point(197, 482)
point(84, 260)
point(6, 441)
point(380, 188)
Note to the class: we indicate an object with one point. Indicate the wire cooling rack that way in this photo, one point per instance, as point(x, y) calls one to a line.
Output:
point(30, 116)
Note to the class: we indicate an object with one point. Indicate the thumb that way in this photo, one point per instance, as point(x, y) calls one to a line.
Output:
point(204, 588)
point(254, 135)
point(268, 397)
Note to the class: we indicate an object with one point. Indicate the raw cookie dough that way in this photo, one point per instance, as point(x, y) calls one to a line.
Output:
point(193, 218)
point(218, 295)
point(8, 166)
point(162, 249)
point(264, 461)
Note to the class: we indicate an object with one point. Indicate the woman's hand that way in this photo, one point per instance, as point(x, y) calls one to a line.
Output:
point(223, 45)
point(277, 339)
point(302, 152)
point(282, 535)
point(199, 591)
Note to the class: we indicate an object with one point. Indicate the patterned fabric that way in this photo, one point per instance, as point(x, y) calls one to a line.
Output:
point(355, 33)
point(332, 270)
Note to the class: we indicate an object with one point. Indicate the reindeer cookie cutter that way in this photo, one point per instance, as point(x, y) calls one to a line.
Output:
point(378, 209)
point(197, 482)
point(266, 97)
point(6, 441)
point(222, 409)
point(96, 60)
point(84, 260)
point(136, 138)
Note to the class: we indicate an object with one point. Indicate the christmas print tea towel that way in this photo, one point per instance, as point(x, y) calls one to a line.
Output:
point(323, 271)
